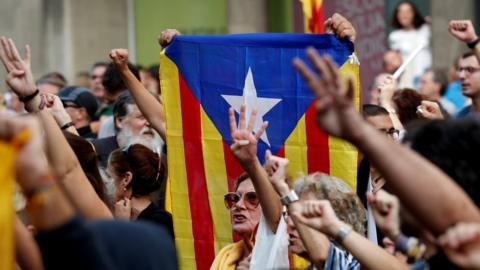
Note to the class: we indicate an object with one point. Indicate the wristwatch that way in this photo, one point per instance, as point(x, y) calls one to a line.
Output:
point(291, 197)
point(342, 233)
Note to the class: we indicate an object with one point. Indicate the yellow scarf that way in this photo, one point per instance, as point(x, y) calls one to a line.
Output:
point(228, 257)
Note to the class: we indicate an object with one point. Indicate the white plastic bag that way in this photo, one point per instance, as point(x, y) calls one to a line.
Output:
point(271, 249)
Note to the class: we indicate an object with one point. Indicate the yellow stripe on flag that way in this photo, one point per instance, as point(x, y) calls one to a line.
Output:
point(307, 7)
point(217, 184)
point(343, 155)
point(296, 150)
point(307, 12)
point(177, 193)
point(7, 152)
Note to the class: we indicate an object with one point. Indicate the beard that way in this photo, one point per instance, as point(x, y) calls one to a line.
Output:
point(147, 137)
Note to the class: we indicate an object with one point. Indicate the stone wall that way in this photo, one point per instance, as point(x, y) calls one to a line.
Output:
point(65, 35)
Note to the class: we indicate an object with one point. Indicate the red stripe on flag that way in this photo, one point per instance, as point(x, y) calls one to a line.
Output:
point(280, 152)
point(320, 19)
point(233, 167)
point(317, 141)
point(202, 225)
point(315, 23)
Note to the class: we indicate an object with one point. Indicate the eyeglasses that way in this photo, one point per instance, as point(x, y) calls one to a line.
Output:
point(468, 70)
point(250, 200)
point(393, 133)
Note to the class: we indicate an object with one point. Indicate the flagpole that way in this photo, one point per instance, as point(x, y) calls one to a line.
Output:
point(407, 61)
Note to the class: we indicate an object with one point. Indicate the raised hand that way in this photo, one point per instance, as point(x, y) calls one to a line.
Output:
point(55, 107)
point(429, 110)
point(386, 210)
point(462, 30)
point(340, 26)
point(387, 89)
point(276, 168)
point(123, 209)
point(244, 145)
point(119, 58)
point(319, 215)
point(454, 241)
point(335, 112)
point(19, 78)
point(166, 36)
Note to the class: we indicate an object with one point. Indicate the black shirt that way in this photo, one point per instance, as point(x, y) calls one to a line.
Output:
point(155, 214)
point(86, 133)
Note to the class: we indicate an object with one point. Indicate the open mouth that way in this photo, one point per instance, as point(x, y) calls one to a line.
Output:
point(148, 133)
point(239, 218)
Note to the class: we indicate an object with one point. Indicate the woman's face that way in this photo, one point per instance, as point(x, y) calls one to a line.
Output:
point(405, 15)
point(244, 220)
point(296, 245)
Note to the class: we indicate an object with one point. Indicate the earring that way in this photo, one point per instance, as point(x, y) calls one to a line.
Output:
point(124, 189)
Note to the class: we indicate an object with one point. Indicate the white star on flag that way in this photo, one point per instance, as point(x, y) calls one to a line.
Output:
point(251, 100)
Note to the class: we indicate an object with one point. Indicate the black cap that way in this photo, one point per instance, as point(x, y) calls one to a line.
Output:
point(80, 96)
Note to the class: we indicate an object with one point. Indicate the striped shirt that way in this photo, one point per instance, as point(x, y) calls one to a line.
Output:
point(339, 259)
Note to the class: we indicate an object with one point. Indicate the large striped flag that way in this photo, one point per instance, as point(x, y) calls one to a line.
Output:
point(201, 77)
point(313, 16)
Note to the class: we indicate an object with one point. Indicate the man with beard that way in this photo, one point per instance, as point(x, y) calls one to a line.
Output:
point(131, 127)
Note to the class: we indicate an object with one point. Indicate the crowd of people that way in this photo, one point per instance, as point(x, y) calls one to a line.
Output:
point(91, 165)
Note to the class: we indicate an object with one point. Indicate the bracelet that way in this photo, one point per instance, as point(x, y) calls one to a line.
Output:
point(39, 197)
point(342, 233)
point(289, 198)
point(416, 249)
point(67, 125)
point(29, 97)
point(410, 246)
point(474, 43)
point(45, 182)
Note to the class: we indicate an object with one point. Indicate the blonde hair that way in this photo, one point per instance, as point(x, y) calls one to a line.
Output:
point(344, 201)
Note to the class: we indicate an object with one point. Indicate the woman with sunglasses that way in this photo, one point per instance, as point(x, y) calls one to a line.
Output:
point(244, 207)
point(245, 214)
point(138, 174)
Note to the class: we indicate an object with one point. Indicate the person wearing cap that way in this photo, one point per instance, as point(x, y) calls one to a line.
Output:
point(81, 104)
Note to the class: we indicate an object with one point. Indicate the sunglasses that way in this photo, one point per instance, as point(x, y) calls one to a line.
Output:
point(250, 200)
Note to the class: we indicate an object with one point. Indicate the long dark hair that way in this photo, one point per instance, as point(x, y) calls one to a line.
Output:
point(87, 157)
point(147, 168)
point(418, 19)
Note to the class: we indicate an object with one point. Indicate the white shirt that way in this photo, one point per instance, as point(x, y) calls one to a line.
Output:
point(406, 41)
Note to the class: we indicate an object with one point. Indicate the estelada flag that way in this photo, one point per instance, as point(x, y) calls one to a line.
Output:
point(313, 16)
point(201, 77)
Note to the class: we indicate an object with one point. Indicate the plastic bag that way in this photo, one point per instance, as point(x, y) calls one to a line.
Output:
point(271, 249)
